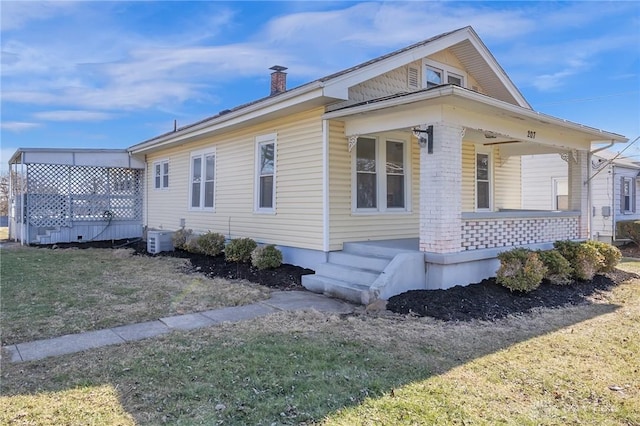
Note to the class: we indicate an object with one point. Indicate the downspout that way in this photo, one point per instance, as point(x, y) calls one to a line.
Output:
point(325, 187)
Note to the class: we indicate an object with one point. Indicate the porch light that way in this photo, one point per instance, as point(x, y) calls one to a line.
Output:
point(425, 137)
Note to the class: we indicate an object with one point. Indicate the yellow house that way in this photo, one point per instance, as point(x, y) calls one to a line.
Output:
point(399, 173)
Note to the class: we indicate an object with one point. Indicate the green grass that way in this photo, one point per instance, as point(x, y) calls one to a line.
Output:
point(575, 365)
point(48, 293)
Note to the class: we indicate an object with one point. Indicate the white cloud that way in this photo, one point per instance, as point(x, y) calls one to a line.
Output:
point(16, 14)
point(18, 126)
point(71, 115)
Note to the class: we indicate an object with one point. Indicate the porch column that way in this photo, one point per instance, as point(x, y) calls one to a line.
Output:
point(440, 191)
point(578, 189)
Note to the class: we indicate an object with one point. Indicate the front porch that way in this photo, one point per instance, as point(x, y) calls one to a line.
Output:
point(378, 269)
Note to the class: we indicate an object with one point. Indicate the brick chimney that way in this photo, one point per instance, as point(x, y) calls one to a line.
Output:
point(278, 80)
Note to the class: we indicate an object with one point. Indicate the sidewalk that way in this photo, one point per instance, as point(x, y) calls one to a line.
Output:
point(72, 343)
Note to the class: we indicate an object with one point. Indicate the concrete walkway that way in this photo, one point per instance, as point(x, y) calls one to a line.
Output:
point(72, 343)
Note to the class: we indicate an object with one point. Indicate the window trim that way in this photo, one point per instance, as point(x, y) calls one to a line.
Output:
point(260, 141)
point(489, 153)
point(161, 163)
point(446, 70)
point(381, 177)
point(632, 195)
point(555, 183)
point(202, 154)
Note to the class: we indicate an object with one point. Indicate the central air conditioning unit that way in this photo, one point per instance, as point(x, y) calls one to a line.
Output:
point(158, 241)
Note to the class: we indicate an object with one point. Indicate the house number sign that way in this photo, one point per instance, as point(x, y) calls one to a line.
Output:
point(531, 134)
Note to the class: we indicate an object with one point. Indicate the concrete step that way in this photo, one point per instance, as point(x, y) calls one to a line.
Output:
point(347, 273)
point(373, 263)
point(336, 288)
point(370, 248)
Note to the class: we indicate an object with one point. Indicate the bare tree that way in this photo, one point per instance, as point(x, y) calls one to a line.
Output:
point(4, 194)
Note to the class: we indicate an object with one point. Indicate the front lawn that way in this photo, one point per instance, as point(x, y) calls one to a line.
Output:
point(570, 365)
point(47, 293)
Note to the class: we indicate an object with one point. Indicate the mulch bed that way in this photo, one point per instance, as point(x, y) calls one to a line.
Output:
point(485, 300)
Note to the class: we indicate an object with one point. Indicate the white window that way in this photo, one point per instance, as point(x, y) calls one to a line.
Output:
point(161, 174)
point(202, 182)
point(627, 195)
point(483, 181)
point(456, 79)
point(434, 77)
point(560, 193)
point(436, 73)
point(381, 175)
point(265, 184)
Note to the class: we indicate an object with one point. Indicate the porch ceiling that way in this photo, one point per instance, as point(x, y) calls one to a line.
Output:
point(526, 131)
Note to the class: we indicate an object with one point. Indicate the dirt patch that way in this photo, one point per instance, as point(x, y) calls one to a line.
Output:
point(630, 250)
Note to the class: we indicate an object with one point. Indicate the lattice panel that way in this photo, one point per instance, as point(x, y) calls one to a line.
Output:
point(60, 194)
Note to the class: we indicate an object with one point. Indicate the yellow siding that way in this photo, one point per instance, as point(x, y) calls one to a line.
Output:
point(348, 226)
point(506, 175)
point(468, 177)
point(298, 218)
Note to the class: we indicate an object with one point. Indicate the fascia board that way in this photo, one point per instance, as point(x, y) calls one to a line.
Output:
point(452, 94)
point(234, 118)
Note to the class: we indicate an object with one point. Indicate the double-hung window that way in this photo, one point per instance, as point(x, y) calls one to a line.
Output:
point(161, 174)
point(265, 183)
point(434, 76)
point(627, 195)
point(483, 181)
point(381, 175)
point(202, 188)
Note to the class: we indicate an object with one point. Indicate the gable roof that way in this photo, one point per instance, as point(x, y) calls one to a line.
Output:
point(463, 42)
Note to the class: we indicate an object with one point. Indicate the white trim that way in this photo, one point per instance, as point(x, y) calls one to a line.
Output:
point(325, 186)
point(161, 163)
point(202, 154)
point(555, 180)
point(381, 177)
point(271, 138)
point(445, 69)
point(489, 153)
point(458, 96)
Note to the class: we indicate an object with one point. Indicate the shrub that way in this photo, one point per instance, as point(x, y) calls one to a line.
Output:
point(265, 257)
point(211, 243)
point(181, 237)
point(629, 229)
point(584, 258)
point(611, 255)
point(559, 269)
point(239, 250)
point(192, 245)
point(520, 270)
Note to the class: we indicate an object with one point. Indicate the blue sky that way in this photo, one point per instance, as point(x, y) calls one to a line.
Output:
point(112, 74)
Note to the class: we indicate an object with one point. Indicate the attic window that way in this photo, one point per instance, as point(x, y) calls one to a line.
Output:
point(434, 77)
point(437, 73)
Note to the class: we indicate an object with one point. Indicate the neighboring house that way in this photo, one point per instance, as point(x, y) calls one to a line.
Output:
point(399, 173)
point(613, 182)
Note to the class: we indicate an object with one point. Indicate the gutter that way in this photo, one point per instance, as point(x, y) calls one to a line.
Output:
point(220, 119)
point(455, 91)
